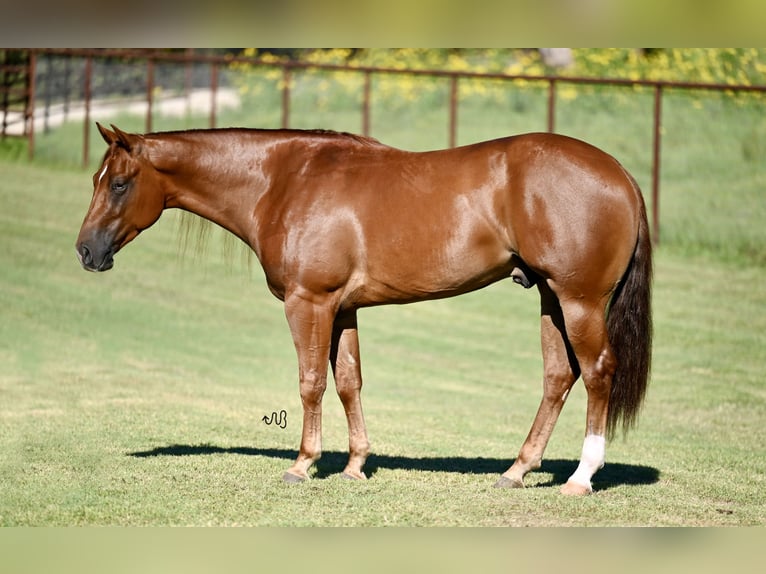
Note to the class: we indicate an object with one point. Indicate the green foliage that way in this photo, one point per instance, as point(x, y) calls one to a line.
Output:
point(745, 66)
point(707, 65)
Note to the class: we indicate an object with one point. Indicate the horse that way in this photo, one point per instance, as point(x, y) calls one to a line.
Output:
point(341, 222)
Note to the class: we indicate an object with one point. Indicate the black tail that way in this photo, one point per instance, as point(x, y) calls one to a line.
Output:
point(629, 328)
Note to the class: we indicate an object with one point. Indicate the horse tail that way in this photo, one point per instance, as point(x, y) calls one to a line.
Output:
point(629, 328)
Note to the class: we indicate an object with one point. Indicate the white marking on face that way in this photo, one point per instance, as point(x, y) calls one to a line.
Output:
point(103, 173)
point(592, 459)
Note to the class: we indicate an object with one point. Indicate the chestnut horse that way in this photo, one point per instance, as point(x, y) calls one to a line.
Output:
point(340, 222)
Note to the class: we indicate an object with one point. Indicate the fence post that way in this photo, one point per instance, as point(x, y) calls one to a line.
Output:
point(366, 104)
point(551, 105)
point(67, 74)
point(213, 93)
point(188, 79)
point(47, 78)
point(657, 134)
point(453, 111)
point(29, 118)
point(285, 97)
point(86, 126)
point(149, 92)
point(5, 84)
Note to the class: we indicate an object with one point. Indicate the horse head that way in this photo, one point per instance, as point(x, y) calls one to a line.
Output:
point(126, 200)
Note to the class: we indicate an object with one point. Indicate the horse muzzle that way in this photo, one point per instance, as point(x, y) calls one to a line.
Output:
point(94, 259)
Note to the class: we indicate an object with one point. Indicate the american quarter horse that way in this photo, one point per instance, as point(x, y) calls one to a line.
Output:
point(340, 222)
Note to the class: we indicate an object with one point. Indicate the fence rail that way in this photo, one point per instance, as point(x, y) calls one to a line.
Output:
point(15, 90)
point(150, 59)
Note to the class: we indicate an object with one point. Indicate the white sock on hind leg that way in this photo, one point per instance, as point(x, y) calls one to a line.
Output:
point(592, 459)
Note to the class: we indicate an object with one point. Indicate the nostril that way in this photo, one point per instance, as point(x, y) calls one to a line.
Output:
point(85, 255)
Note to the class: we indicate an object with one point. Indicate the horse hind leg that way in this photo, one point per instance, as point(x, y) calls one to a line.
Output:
point(560, 372)
point(586, 328)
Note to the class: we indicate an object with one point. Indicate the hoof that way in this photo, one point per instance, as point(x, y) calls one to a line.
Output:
point(576, 489)
point(291, 478)
point(349, 476)
point(505, 482)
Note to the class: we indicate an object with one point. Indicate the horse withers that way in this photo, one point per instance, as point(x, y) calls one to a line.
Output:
point(340, 222)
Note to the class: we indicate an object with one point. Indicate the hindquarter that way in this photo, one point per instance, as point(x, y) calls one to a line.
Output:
point(575, 213)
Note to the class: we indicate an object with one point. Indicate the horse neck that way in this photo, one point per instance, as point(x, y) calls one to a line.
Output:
point(216, 174)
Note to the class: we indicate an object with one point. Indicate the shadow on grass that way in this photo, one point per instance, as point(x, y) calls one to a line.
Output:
point(332, 462)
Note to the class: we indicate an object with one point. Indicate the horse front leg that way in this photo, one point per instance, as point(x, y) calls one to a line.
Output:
point(347, 370)
point(311, 323)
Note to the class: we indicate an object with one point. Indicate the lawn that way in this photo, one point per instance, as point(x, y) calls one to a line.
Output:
point(137, 397)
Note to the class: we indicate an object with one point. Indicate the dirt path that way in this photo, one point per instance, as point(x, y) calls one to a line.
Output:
point(197, 102)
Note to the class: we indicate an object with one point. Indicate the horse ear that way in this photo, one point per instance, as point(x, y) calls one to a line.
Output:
point(131, 142)
point(109, 137)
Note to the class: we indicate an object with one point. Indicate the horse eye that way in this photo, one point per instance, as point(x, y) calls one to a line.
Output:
point(119, 186)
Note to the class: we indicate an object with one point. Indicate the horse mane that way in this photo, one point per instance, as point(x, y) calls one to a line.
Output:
point(194, 233)
point(366, 140)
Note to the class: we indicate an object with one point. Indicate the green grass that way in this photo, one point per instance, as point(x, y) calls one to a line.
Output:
point(135, 397)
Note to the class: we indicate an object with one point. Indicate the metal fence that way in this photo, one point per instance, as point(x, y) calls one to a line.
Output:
point(15, 91)
point(75, 73)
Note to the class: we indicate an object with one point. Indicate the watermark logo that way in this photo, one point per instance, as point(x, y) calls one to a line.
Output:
point(279, 419)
